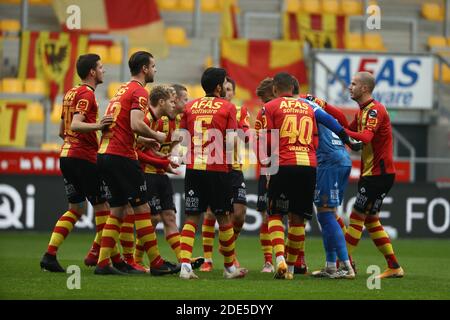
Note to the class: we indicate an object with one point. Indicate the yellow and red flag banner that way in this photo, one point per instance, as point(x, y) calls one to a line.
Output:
point(319, 30)
point(51, 56)
point(138, 19)
point(13, 123)
point(250, 61)
point(229, 27)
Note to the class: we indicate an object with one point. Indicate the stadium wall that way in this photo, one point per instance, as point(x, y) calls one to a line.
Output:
point(34, 203)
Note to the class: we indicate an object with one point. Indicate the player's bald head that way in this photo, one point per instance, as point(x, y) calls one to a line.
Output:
point(367, 79)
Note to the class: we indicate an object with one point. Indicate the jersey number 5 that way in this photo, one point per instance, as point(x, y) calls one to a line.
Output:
point(200, 130)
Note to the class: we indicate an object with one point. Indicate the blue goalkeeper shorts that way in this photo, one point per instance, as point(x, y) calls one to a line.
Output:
point(330, 186)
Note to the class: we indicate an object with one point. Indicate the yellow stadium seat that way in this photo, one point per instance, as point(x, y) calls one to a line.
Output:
point(136, 49)
point(186, 5)
point(436, 41)
point(330, 6)
point(115, 54)
point(374, 42)
point(40, 2)
point(432, 11)
point(55, 115)
point(168, 4)
point(210, 6)
point(50, 146)
point(292, 5)
point(12, 85)
point(35, 86)
point(354, 41)
point(351, 7)
point(445, 72)
point(11, 1)
point(112, 88)
point(101, 50)
point(208, 62)
point(197, 91)
point(310, 6)
point(35, 112)
point(10, 25)
point(176, 36)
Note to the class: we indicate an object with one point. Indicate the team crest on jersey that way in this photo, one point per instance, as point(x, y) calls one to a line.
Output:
point(82, 105)
point(373, 113)
point(143, 103)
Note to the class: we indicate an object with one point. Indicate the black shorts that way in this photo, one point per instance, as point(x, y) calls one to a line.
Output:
point(238, 186)
point(205, 189)
point(261, 203)
point(371, 192)
point(82, 181)
point(159, 192)
point(124, 179)
point(292, 190)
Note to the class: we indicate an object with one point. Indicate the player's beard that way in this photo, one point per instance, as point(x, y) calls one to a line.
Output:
point(149, 78)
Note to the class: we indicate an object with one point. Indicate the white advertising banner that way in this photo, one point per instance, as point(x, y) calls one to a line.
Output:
point(402, 81)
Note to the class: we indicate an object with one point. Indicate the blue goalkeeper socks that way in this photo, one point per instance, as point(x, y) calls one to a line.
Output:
point(333, 238)
point(326, 220)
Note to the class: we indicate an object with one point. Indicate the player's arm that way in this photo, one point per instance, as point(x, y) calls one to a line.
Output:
point(149, 157)
point(78, 124)
point(328, 121)
point(374, 118)
point(62, 126)
point(85, 102)
point(140, 128)
point(139, 106)
point(61, 129)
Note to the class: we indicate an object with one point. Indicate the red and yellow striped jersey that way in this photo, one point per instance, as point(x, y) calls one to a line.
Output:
point(297, 129)
point(377, 155)
point(119, 139)
point(167, 126)
point(80, 99)
point(243, 123)
point(200, 116)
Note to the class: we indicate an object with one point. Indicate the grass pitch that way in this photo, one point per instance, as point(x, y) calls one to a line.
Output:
point(424, 261)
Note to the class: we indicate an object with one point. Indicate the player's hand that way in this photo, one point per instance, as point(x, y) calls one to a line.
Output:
point(355, 145)
point(149, 143)
point(174, 161)
point(170, 169)
point(160, 136)
point(105, 122)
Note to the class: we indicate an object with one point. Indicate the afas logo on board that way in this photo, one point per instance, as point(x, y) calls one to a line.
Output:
point(402, 81)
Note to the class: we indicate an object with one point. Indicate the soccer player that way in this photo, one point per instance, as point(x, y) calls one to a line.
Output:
point(78, 156)
point(296, 161)
point(333, 170)
point(207, 181)
point(238, 186)
point(119, 167)
point(300, 266)
point(296, 121)
point(372, 126)
point(166, 107)
point(265, 94)
point(161, 104)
